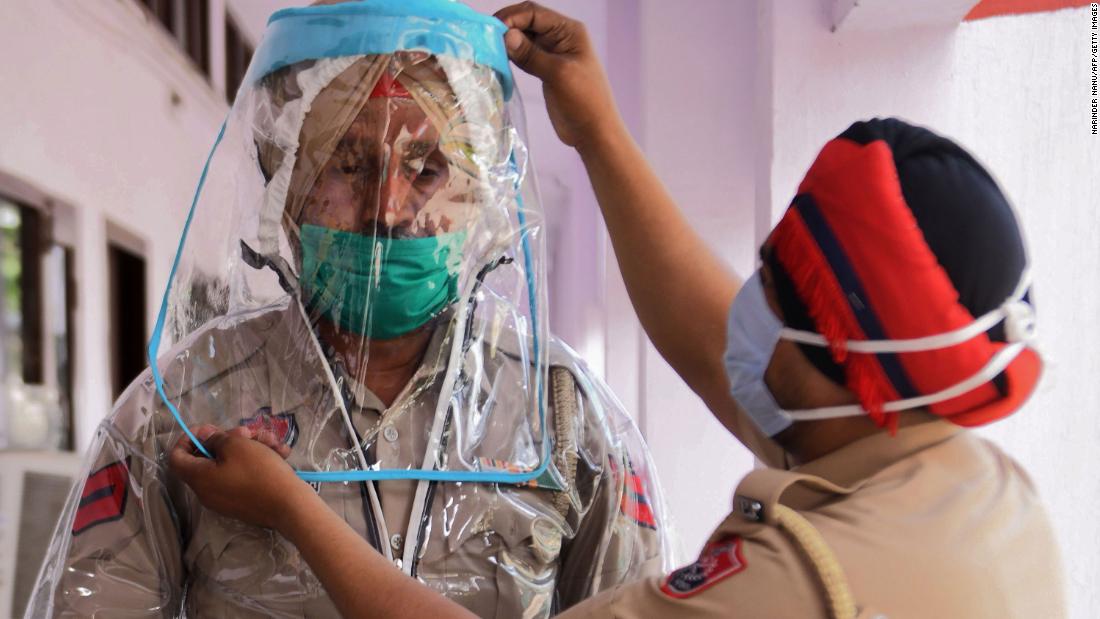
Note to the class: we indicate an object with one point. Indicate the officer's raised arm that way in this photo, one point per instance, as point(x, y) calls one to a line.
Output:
point(680, 289)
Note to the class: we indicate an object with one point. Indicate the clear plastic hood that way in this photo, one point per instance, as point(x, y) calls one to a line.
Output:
point(369, 207)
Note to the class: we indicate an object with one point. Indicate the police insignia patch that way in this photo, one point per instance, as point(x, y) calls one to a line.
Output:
point(718, 561)
point(283, 425)
point(104, 496)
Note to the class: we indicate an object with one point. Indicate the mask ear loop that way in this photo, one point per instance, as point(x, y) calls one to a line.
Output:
point(1011, 306)
point(997, 364)
point(1020, 330)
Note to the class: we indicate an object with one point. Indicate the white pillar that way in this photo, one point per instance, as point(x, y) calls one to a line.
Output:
point(92, 380)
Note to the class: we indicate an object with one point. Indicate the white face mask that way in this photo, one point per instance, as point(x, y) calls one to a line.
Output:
point(754, 330)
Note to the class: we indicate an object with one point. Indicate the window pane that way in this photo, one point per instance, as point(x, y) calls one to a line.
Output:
point(237, 56)
point(164, 12)
point(36, 318)
point(128, 316)
point(32, 312)
point(197, 33)
point(11, 298)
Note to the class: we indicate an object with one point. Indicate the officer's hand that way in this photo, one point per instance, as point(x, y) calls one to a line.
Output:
point(556, 49)
point(247, 479)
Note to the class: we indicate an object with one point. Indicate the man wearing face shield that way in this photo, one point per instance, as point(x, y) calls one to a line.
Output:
point(373, 252)
point(892, 312)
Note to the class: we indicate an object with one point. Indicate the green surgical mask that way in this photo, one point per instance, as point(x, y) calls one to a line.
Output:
point(375, 286)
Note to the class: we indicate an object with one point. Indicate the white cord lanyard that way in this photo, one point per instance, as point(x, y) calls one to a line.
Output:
point(432, 453)
point(375, 505)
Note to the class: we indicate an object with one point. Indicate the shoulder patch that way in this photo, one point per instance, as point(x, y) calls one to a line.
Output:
point(718, 561)
point(283, 425)
point(104, 496)
point(634, 504)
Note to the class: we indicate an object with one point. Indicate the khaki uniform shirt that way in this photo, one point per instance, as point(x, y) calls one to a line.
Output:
point(934, 522)
point(135, 542)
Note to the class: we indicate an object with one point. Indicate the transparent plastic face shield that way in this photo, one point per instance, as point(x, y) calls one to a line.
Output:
point(366, 236)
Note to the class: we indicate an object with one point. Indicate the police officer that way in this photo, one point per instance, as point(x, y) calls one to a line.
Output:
point(392, 152)
point(890, 314)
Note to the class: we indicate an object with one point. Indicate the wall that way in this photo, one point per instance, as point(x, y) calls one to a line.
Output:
point(697, 131)
point(575, 243)
point(116, 122)
point(1013, 90)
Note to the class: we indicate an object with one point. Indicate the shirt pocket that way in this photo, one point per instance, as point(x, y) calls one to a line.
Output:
point(254, 567)
point(522, 521)
point(527, 564)
point(494, 550)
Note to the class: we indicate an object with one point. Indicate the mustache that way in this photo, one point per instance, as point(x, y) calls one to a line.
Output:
point(416, 229)
point(410, 230)
point(376, 228)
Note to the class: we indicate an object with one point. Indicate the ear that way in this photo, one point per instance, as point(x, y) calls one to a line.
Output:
point(796, 384)
point(768, 281)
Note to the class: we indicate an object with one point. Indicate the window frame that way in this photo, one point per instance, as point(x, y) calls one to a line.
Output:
point(187, 22)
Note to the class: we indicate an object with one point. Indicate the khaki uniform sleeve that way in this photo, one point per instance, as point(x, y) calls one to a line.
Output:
point(116, 551)
point(616, 506)
point(733, 577)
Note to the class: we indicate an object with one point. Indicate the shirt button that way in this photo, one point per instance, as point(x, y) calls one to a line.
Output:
point(390, 433)
point(398, 563)
point(395, 541)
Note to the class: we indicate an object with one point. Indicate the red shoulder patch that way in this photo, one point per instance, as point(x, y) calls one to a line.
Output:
point(718, 561)
point(634, 503)
point(104, 496)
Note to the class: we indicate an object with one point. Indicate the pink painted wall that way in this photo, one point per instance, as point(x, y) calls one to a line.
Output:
point(697, 99)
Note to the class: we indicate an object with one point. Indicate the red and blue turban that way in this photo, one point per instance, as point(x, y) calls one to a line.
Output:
point(898, 233)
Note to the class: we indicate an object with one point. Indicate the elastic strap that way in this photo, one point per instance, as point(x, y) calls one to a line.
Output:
point(989, 371)
point(1010, 308)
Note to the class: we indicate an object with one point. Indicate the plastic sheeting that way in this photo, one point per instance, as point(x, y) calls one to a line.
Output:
point(363, 273)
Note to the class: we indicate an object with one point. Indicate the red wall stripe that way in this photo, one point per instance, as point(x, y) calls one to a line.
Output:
point(991, 8)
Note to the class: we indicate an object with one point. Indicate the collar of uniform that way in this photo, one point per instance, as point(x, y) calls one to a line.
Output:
point(841, 472)
point(290, 373)
point(863, 458)
point(430, 366)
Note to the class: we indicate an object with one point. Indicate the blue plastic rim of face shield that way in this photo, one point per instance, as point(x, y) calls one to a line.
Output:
point(438, 27)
